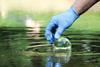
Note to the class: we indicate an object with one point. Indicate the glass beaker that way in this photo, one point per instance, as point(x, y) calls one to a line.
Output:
point(62, 49)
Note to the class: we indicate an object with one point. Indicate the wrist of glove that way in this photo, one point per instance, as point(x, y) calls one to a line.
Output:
point(59, 23)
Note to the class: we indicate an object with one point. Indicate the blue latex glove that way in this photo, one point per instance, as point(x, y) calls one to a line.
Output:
point(59, 23)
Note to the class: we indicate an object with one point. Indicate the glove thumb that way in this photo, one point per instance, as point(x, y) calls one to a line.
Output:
point(58, 33)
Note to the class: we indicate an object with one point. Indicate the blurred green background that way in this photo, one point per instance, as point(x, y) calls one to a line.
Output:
point(15, 13)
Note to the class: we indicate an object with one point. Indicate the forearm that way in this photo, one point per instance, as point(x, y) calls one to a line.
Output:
point(83, 5)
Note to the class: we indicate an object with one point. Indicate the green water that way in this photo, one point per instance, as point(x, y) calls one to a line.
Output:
point(19, 50)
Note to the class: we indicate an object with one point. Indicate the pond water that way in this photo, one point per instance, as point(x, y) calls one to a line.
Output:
point(85, 50)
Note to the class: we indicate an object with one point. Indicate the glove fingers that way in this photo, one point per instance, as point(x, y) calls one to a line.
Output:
point(59, 32)
point(49, 36)
point(49, 31)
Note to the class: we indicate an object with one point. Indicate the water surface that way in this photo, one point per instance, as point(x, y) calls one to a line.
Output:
point(14, 42)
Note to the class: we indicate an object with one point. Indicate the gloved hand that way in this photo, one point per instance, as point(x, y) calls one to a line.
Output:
point(59, 23)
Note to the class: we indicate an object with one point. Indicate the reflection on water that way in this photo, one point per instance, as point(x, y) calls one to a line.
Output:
point(51, 59)
point(85, 50)
point(57, 59)
point(52, 62)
